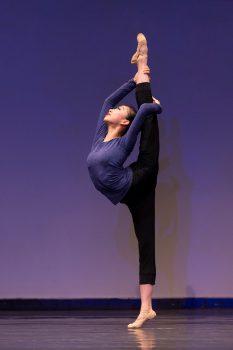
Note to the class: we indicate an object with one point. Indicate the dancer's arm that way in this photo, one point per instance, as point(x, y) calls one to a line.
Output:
point(120, 93)
point(110, 102)
point(129, 139)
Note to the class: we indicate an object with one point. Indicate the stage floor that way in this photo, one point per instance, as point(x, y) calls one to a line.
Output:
point(69, 330)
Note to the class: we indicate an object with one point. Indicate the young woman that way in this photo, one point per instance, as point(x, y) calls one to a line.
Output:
point(115, 136)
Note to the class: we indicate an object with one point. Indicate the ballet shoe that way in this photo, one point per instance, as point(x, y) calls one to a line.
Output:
point(141, 39)
point(142, 317)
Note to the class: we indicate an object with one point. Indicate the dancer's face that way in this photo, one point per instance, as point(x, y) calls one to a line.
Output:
point(117, 115)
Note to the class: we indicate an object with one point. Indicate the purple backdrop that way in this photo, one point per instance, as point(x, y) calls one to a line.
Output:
point(59, 60)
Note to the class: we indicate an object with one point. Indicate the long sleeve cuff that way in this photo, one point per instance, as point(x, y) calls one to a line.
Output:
point(132, 82)
point(149, 107)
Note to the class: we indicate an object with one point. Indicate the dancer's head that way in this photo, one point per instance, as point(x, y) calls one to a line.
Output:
point(122, 115)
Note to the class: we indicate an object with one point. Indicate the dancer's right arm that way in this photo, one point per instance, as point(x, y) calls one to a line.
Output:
point(110, 102)
point(129, 139)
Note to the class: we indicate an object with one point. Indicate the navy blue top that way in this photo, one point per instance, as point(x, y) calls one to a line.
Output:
point(106, 159)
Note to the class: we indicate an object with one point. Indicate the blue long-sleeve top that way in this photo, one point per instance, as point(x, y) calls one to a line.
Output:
point(106, 158)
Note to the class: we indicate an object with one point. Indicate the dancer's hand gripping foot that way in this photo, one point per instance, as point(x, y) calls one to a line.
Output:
point(146, 70)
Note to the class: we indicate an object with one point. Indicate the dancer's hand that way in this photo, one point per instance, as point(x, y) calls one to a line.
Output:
point(155, 100)
point(146, 70)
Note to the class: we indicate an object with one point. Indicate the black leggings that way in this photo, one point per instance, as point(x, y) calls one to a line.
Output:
point(140, 198)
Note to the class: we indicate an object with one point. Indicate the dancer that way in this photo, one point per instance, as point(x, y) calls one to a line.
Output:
point(115, 136)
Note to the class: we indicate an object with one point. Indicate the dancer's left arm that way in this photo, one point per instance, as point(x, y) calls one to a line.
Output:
point(110, 102)
point(129, 139)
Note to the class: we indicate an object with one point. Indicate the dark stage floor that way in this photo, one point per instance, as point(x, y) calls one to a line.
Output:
point(171, 329)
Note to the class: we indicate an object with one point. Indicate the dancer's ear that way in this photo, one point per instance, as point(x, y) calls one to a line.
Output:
point(125, 122)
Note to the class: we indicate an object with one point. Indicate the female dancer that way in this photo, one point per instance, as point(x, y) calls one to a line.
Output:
point(115, 136)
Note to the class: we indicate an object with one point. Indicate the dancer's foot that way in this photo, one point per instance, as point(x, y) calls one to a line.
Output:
point(142, 49)
point(143, 316)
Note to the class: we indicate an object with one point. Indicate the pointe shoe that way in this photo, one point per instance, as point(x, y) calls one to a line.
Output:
point(142, 317)
point(141, 42)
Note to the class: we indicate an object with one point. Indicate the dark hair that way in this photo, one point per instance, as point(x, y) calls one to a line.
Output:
point(130, 116)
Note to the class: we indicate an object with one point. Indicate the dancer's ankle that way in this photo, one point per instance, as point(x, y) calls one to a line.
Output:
point(145, 307)
point(142, 78)
point(142, 62)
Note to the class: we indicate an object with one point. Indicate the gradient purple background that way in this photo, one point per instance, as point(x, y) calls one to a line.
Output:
point(59, 60)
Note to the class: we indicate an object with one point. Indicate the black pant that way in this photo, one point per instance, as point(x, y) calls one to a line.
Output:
point(140, 198)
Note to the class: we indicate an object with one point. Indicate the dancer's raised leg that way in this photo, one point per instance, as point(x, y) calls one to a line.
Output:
point(149, 140)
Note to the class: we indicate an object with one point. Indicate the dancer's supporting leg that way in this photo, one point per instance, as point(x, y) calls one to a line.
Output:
point(142, 206)
point(144, 224)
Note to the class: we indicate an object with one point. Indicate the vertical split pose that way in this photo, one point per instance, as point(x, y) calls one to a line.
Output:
point(115, 136)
